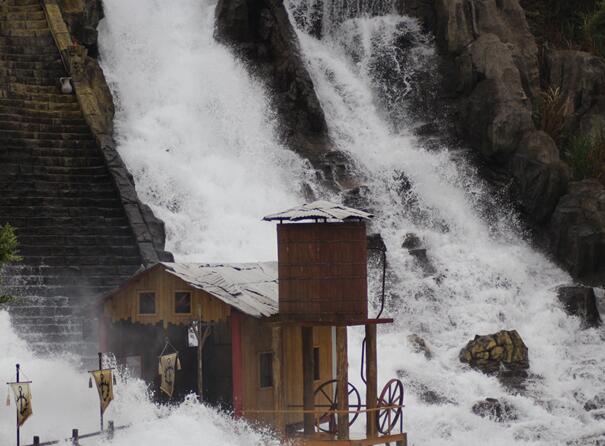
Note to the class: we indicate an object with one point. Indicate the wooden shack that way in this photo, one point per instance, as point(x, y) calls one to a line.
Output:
point(275, 333)
point(238, 303)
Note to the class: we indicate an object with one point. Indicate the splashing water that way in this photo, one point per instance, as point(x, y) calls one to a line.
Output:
point(487, 277)
point(62, 401)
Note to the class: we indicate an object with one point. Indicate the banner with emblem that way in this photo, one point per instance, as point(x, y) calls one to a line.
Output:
point(23, 401)
point(104, 381)
point(167, 368)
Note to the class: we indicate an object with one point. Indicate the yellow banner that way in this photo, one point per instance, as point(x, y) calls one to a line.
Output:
point(104, 381)
point(23, 401)
point(167, 368)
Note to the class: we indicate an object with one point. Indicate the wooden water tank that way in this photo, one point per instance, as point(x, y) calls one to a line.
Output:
point(323, 271)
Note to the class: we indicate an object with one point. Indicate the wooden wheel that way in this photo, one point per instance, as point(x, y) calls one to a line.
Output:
point(331, 404)
point(390, 406)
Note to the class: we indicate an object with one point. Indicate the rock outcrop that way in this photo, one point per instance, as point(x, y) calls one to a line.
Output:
point(503, 354)
point(495, 409)
point(420, 345)
point(576, 231)
point(260, 32)
point(580, 301)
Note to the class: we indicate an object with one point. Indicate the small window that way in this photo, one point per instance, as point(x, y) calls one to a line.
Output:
point(266, 370)
point(147, 303)
point(316, 363)
point(182, 302)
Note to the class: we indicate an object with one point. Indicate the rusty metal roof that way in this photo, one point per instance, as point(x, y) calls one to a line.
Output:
point(249, 287)
point(319, 210)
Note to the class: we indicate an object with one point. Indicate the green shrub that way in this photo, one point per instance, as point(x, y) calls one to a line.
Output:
point(8, 245)
point(586, 155)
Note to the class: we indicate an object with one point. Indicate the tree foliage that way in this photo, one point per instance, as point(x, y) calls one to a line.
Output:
point(8, 245)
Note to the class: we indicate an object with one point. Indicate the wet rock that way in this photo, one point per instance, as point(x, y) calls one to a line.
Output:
point(420, 346)
point(432, 397)
point(411, 241)
point(260, 32)
point(495, 409)
point(503, 354)
point(576, 231)
point(82, 18)
point(376, 242)
point(540, 178)
point(595, 403)
point(580, 301)
point(357, 197)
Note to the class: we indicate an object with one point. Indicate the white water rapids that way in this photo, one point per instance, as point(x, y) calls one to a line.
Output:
point(198, 135)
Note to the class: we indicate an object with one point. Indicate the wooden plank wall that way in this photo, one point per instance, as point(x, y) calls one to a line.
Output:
point(256, 339)
point(124, 304)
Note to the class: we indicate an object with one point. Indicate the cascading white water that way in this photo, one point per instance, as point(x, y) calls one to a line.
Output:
point(488, 278)
point(198, 135)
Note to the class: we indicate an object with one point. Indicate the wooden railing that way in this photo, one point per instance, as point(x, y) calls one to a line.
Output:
point(76, 436)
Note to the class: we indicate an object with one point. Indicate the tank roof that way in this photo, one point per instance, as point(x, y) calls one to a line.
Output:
point(319, 210)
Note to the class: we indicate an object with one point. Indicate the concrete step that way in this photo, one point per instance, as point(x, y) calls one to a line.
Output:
point(25, 23)
point(17, 16)
point(18, 142)
point(56, 178)
point(42, 97)
point(33, 42)
point(37, 128)
point(67, 271)
point(75, 240)
point(52, 114)
point(8, 134)
point(64, 280)
point(9, 212)
point(47, 119)
point(25, 32)
point(28, 169)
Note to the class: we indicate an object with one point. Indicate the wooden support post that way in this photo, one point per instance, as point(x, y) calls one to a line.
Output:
point(104, 334)
point(371, 384)
point(75, 437)
point(278, 379)
point(36, 441)
point(342, 376)
point(236, 363)
point(308, 390)
point(110, 429)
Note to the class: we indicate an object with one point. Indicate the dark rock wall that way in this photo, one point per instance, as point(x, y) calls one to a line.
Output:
point(260, 32)
point(495, 73)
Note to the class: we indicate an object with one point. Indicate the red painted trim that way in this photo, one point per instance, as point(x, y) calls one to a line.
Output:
point(236, 362)
point(103, 334)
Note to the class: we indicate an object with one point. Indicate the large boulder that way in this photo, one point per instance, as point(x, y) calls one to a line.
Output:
point(492, 354)
point(576, 231)
point(580, 301)
point(82, 18)
point(540, 178)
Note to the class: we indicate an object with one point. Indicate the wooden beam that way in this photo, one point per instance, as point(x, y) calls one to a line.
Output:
point(371, 384)
point(104, 333)
point(342, 376)
point(236, 363)
point(279, 394)
point(308, 390)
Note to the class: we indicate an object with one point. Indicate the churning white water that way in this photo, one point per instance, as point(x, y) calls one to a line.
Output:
point(198, 135)
point(487, 277)
point(62, 401)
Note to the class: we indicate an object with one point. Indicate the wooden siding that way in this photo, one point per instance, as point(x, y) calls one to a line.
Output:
point(323, 271)
point(256, 339)
point(123, 305)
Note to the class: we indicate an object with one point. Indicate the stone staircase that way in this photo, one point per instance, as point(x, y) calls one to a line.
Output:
point(56, 190)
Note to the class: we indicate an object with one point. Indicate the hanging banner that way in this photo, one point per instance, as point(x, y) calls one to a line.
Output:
point(23, 401)
point(167, 367)
point(104, 381)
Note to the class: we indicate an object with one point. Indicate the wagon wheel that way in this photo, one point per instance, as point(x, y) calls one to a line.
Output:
point(332, 404)
point(387, 415)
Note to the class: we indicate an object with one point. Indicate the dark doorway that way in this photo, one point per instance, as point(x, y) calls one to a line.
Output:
point(218, 376)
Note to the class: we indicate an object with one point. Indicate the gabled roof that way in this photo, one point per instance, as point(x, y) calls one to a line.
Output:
point(319, 210)
point(249, 287)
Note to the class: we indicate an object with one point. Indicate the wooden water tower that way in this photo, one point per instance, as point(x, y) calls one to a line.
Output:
point(322, 274)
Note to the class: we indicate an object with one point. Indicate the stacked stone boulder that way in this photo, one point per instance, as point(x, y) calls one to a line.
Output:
point(503, 351)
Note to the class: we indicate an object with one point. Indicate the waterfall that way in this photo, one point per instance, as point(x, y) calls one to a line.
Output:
point(198, 134)
point(486, 276)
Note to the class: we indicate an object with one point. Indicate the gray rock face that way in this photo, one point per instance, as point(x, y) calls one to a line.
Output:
point(82, 18)
point(260, 32)
point(580, 301)
point(576, 231)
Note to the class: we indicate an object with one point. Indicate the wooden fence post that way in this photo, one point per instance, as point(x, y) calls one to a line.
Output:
point(74, 437)
point(36, 441)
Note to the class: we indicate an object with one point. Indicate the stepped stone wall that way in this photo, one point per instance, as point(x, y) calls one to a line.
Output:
point(63, 186)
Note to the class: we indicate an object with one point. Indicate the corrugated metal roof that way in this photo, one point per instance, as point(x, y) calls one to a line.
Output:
point(319, 210)
point(249, 287)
